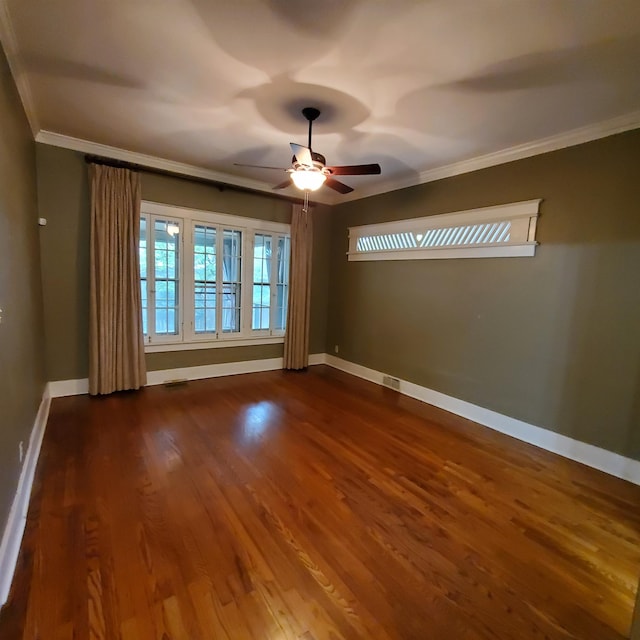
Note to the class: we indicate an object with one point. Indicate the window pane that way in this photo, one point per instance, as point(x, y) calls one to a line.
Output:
point(231, 308)
point(262, 258)
point(204, 268)
point(265, 318)
point(205, 308)
point(161, 260)
point(230, 292)
point(210, 319)
point(261, 306)
point(161, 321)
point(198, 316)
point(198, 264)
point(261, 298)
point(166, 256)
point(161, 293)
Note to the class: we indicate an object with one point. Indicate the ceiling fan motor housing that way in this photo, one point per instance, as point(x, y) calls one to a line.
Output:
point(318, 159)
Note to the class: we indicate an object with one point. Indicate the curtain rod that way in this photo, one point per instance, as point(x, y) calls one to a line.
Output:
point(222, 186)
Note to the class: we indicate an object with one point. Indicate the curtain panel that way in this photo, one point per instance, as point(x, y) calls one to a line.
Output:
point(296, 341)
point(116, 344)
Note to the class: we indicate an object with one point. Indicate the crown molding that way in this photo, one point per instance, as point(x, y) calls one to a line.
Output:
point(571, 138)
point(10, 45)
point(620, 124)
point(116, 153)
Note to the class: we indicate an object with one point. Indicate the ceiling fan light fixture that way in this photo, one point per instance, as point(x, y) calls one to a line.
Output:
point(172, 229)
point(308, 180)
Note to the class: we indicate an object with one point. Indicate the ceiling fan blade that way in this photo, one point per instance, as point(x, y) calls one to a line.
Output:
point(257, 166)
point(283, 185)
point(356, 170)
point(338, 186)
point(302, 154)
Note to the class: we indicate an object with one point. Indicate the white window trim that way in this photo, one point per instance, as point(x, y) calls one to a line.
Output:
point(522, 217)
point(224, 343)
point(200, 215)
point(187, 339)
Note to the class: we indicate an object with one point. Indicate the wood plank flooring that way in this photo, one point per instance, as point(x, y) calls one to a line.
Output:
point(313, 506)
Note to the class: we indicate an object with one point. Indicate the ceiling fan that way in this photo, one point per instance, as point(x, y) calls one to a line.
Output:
point(309, 170)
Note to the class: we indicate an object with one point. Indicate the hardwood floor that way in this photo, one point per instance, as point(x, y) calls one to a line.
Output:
point(313, 506)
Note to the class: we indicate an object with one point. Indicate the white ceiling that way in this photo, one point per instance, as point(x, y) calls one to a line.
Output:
point(413, 85)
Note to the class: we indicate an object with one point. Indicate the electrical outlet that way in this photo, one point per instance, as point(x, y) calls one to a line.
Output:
point(336, 348)
point(21, 450)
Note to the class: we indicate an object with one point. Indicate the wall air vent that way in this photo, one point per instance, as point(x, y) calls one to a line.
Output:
point(392, 383)
point(502, 231)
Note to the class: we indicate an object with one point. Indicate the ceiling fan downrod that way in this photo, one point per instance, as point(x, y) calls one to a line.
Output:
point(311, 114)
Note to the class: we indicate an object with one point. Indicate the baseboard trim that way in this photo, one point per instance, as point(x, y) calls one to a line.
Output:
point(12, 536)
point(213, 370)
point(590, 455)
point(61, 388)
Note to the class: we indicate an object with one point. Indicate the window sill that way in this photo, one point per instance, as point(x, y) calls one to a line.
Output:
point(523, 250)
point(212, 344)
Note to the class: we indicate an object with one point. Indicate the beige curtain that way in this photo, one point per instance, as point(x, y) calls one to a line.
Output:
point(296, 340)
point(116, 346)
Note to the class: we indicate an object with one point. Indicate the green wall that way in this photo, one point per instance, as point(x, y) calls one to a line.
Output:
point(63, 195)
point(22, 376)
point(553, 340)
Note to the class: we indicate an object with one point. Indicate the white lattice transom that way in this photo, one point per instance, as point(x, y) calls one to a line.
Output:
point(501, 231)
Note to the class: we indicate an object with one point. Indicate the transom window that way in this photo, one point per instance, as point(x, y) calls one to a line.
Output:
point(506, 230)
point(210, 279)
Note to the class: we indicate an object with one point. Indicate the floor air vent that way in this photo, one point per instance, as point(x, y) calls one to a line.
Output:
point(175, 383)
